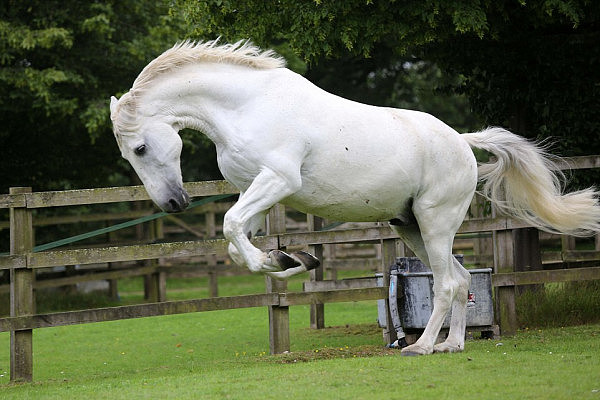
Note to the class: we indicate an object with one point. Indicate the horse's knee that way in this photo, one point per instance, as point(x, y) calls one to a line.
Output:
point(235, 255)
point(231, 226)
point(450, 289)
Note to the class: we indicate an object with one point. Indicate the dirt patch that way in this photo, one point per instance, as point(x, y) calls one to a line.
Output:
point(328, 353)
point(331, 352)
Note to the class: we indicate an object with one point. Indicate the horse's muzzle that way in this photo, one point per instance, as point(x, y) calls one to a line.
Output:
point(177, 203)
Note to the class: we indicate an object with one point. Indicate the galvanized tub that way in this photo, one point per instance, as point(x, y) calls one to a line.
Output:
point(411, 296)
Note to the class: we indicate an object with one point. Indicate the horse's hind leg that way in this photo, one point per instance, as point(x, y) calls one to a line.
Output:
point(455, 341)
point(445, 288)
point(432, 243)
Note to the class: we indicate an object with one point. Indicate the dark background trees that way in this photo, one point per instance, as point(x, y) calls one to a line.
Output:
point(60, 61)
point(529, 66)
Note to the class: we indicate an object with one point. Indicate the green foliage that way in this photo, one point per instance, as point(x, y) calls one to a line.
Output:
point(59, 63)
point(338, 28)
point(399, 81)
point(334, 28)
point(560, 304)
point(531, 66)
point(538, 75)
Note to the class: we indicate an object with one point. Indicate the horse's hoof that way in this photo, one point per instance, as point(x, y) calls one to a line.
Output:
point(414, 350)
point(447, 348)
point(307, 259)
point(283, 260)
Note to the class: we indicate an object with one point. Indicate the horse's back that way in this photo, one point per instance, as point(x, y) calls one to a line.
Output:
point(368, 163)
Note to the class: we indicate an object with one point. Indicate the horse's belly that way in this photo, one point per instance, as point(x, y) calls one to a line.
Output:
point(347, 211)
point(356, 179)
point(365, 200)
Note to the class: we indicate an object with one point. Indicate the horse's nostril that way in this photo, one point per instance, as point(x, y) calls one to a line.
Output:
point(174, 205)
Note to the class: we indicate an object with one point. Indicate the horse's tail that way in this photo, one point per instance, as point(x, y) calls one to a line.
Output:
point(524, 182)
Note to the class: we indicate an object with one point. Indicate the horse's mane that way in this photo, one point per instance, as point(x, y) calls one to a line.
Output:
point(188, 52)
point(185, 53)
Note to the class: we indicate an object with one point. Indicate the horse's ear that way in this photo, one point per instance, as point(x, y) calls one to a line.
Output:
point(113, 104)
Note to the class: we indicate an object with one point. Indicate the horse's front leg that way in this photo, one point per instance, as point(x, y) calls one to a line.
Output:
point(253, 225)
point(241, 221)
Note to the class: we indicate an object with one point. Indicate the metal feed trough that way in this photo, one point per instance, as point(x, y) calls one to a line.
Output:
point(411, 300)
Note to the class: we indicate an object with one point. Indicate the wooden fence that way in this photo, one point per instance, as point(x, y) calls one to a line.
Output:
point(513, 245)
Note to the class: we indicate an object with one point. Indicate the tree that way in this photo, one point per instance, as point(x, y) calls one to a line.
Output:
point(530, 66)
point(59, 63)
point(335, 28)
point(402, 82)
point(539, 75)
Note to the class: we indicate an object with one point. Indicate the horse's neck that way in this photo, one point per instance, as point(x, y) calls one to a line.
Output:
point(202, 97)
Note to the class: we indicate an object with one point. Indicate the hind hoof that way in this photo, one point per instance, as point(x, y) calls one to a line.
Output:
point(448, 348)
point(414, 350)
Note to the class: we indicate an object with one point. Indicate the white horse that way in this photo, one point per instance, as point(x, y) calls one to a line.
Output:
point(281, 139)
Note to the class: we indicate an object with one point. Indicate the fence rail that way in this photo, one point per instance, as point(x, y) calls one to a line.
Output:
point(105, 195)
point(188, 306)
point(97, 255)
point(509, 253)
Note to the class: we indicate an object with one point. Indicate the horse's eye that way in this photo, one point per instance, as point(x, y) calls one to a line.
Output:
point(140, 150)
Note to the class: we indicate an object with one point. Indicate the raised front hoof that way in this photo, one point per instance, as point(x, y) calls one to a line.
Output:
point(308, 260)
point(446, 347)
point(283, 260)
point(291, 265)
point(414, 350)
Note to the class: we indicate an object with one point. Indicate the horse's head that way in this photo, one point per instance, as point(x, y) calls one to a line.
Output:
point(153, 148)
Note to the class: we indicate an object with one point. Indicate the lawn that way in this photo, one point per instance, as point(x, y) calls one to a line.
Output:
point(224, 355)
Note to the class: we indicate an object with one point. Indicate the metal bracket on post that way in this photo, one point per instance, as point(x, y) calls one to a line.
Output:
point(388, 257)
point(21, 291)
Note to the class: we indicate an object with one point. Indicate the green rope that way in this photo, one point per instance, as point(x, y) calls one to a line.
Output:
point(147, 218)
point(331, 226)
point(123, 225)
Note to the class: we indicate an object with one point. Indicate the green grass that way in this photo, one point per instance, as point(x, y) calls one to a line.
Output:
point(219, 355)
point(224, 354)
point(560, 304)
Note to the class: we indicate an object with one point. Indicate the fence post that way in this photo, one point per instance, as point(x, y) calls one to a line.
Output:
point(567, 243)
point(21, 291)
point(279, 317)
point(155, 284)
point(211, 259)
point(504, 261)
point(528, 256)
point(482, 246)
point(317, 311)
point(388, 257)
